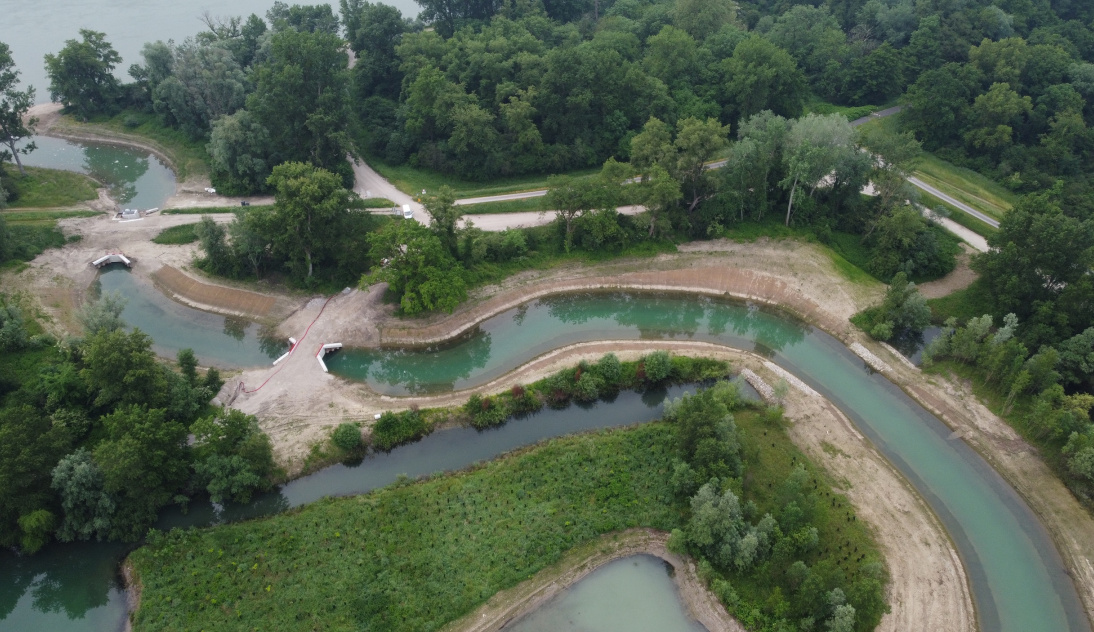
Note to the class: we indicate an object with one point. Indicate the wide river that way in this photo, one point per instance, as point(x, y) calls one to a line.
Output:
point(33, 29)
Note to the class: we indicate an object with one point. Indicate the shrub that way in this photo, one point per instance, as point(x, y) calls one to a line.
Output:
point(587, 387)
point(523, 401)
point(489, 413)
point(658, 366)
point(394, 429)
point(610, 369)
point(347, 436)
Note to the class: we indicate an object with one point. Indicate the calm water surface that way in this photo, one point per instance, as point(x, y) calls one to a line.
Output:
point(223, 341)
point(632, 594)
point(135, 178)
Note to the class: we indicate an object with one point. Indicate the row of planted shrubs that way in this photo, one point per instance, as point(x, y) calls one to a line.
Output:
point(585, 383)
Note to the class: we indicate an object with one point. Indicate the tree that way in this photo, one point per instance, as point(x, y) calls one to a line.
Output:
point(570, 198)
point(685, 157)
point(123, 370)
point(761, 76)
point(896, 156)
point(319, 18)
point(144, 461)
point(30, 445)
point(702, 18)
point(1038, 267)
point(814, 145)
point(205, 84)
point(995, 114)
point(239, 154)
point(753, 169)
point(81, 74)
point(104, 315)
point(445, 217)
point(310, 209)
point(373, 31)
point(417, 267)
point(302, 101)
point(88, 508)
point(232, 456)
point(936, 105)
point(14, 104)
point(877, 77)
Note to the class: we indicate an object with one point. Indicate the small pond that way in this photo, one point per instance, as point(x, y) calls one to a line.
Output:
point(631, 594)
point(135, 178)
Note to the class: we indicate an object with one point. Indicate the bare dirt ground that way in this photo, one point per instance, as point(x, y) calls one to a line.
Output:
point(59, 277)
point(961, 277)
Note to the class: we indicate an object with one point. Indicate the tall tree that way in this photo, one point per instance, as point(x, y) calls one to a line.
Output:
point(683, 157)
point(301, 99)
point(310, 210)
point(1038, 267)
point(81, 75)
point(445, 217)
point(417, 268)
point(762, 76)
point(814, 146)
point(144, 461)
point(14, 104)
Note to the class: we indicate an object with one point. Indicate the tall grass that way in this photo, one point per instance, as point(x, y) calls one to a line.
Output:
point(49, 188)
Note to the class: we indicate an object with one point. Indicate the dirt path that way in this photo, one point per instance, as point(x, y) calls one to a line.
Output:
point(961, 277)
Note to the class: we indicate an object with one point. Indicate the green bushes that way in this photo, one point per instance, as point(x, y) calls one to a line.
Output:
point(903, 313)
point(394, 429)
point(177, 235)
point(347, 437)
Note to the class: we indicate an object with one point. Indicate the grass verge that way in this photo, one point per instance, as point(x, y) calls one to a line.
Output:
point(411, 180)
point(529, 205)
point(38, 217)
point(971, 302)
point(979, 192)
point(50, 188)
point(961, 217)
point(177, 235)
point(187, 156)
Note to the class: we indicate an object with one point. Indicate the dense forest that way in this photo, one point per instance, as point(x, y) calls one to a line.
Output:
point(94, 432)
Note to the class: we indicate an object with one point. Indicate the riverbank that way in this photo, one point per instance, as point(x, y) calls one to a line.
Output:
point(789, 287)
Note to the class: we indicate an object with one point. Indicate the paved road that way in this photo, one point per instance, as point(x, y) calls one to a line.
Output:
point(923, 186)
point(523, 195)
point(368, 180)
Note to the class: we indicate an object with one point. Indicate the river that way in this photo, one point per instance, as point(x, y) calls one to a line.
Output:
point(1018, 579)
point(33, 29)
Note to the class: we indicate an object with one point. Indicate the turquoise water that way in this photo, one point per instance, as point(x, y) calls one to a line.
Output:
point(222, 341)
point(1017, 576)
point(632, 594)
point(135, 178)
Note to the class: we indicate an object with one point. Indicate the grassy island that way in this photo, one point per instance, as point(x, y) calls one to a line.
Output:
point(418, 555)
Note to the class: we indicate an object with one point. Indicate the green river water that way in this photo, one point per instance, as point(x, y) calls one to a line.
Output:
point(632, 594)
point(1018, 579)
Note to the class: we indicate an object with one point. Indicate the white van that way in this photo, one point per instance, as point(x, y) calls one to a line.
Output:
point(407, 212)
